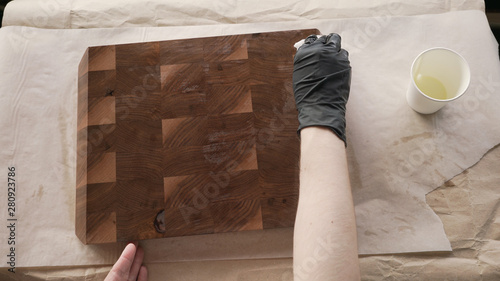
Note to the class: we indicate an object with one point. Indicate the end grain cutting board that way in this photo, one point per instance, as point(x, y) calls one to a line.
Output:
point(187, 137)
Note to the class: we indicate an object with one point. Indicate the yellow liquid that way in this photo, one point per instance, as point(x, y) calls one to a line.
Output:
point(431, 87)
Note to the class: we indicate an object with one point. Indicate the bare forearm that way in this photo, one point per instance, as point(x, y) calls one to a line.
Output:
point(325, 241)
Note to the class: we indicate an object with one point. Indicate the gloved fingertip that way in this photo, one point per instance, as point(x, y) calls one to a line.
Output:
point(311, 39)
point(322, 39)
point(343, 55)
point(335, 40)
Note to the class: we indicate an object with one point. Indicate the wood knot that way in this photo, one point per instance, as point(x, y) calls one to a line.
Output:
point(109, 92)
point(159, 222)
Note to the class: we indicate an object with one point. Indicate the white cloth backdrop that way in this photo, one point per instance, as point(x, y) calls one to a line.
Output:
point(128, 13)
point(396, 156)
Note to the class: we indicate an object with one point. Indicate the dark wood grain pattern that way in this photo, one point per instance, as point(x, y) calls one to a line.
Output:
point(101, 83)
point(102, 58)
point(187, 137)
point(143, 54)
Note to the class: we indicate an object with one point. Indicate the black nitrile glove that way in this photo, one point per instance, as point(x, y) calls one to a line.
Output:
point(321, 83)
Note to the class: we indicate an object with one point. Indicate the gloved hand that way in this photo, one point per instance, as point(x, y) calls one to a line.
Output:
point(321, 83)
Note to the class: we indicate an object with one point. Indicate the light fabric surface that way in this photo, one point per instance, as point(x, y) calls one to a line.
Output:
point(38, 101)
point(391, 169)
point(467, 204)
point(119, 13)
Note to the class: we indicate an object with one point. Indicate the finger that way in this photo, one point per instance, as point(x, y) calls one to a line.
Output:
point(344, 55)
point(122, 266)
point(334, 40)
point(136, 266)
point(311, 39)
point(322, 39)
point(143, 274)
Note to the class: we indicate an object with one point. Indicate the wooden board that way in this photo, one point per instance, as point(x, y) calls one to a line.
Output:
point(187, 137)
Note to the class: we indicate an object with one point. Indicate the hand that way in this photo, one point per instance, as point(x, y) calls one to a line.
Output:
point(129, 266)
point(321, 83)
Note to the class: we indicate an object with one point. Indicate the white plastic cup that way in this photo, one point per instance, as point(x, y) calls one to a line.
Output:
point(438, 76)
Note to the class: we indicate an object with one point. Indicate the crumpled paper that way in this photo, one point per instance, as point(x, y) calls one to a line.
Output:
point(467, 205)
point(396, 156)
point(138, 13)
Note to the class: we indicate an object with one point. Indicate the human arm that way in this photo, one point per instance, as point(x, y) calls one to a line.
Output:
point(325, 240)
